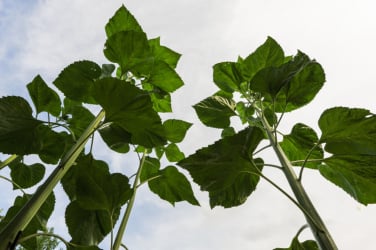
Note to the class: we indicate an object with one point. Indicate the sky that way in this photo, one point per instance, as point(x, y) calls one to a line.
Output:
point(44, 36)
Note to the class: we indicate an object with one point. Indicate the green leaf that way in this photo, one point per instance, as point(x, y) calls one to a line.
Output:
point(26, 176)
point(296, 245)
point(88, 227)
point(300, 144)
point(163, 76)
point(128, 49)
point(76, 80)
point(53, 144)
point(150, 168)
point(162, 53)
point(172, 186)
point(173, 153)
point(122, 20)
point(226, 169)
point(130, 108)
point(348, 131)
point(356, 174)
point(79, 117)
point(268, 54)
point(161, 101)
point(116, 138)
point(227, 76)
point(176, 129)
point(94, 188)
point(228, 132)
point(215, 111)
point(38, 222)
point(244, 111)
point(44, 98)
point(107, 70)
point(18, 128)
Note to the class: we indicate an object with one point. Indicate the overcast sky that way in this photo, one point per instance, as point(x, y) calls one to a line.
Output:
point(42, 37)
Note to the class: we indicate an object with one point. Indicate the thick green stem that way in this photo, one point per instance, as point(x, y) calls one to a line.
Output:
point(28, 211)
point(8, 161)
point(315, 222)
point(124, 221)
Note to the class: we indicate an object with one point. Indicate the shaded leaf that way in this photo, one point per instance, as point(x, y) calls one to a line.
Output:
point(150, 168)
point(88, 227)
point(39, 221)
point(348, 131)
point(18, 128)
point(26, 176)
point(225, 169)
point(76, 80)
point(176, 129)
point(228, 132)
point(296, 245)
point(44, 98)
point(122, 20)
point(130, 108)
point(215, 111)
point(107, 70)
point(356, 174)
point(300, 144)
point(116, 138)
point(79, 117)
point(172, 186)
point(53, 144)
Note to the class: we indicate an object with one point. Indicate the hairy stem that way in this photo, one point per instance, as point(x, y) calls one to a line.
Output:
point(315, 222)
point(28, 211)
point(128, 210)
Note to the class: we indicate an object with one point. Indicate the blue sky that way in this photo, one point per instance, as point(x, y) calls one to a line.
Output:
point(42, 37)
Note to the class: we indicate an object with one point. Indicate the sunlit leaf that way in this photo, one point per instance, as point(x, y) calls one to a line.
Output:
point(176, 129)
point(227, 76)
point(302, 143)
point(215, 111)
point(44, 98)
point(122, 20)
point(162, 53)
point(173, 153)
point(226, 169)
point(268, 54)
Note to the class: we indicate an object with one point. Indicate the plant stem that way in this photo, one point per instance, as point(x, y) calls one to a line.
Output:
point(7, 161)
point(315, 222)
point(124, 221)
point(28, 211)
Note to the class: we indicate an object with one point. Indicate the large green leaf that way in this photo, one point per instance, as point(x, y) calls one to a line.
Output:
point(53, 144)
point(300, 144)
point(116, 138)
point(176, 129)
point(132, 109)
point(76, 80)
point(39, 221)
point(290, 85)
point(78, 117)
point(162, 53)
point(128, 49)
point(18, 128)
point(173, 153)
point(215, 111)
point(94, 188)
point(268, 54)
point(225, 169)
point(348, 131)
point(122, 20)
point(356, 174)
point(227, 76)
point(88, 227)
point(44, 98)
point(26, 176)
